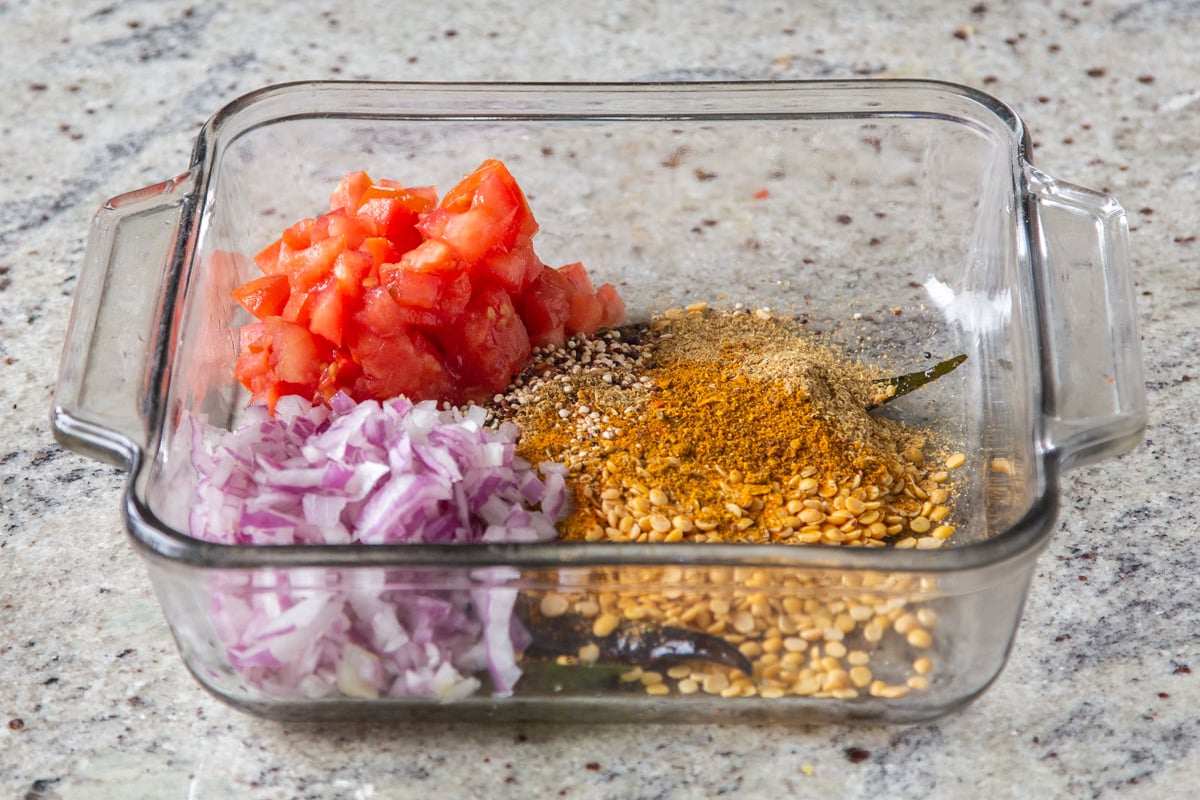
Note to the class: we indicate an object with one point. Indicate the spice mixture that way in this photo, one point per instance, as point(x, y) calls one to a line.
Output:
point(728, 426)
point(735, 426)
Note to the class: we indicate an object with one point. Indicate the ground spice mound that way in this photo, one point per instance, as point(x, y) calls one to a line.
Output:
point(726, 426)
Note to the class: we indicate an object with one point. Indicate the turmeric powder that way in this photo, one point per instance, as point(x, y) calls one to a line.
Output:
point(735, 427)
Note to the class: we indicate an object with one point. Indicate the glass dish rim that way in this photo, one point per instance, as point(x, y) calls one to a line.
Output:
point(159, 539)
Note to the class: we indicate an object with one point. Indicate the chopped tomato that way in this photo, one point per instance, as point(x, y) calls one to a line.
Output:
point(297, 356)
point(485, 212)
point(267, 259)
point(586, 311)
point(395, 358)
point(612, 306)
point(487, 346)
point(263, 297)
point(300, 235)
point(342, 225)
point(353, 269)
point(430, 256)
point(546, 306)
point(280, 357)
point(349, 192)
point(305, 267)
point(325, 309)
point(391, 292)
point(428, 194)
point(393, 214)
point(513, 269)
point(446, 293)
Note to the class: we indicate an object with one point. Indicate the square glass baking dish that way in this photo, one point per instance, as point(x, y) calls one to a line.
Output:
point(903, 219)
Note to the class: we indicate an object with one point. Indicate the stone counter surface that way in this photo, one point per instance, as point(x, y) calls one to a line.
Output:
point(1101, 697)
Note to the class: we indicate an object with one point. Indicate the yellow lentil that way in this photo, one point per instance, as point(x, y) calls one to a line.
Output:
point(760, 463)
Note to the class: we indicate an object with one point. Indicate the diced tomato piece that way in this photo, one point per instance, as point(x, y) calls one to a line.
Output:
point(393, 213)
point(445, 293)
point(381, 251)
point(339, 225)
point(418, 199)
point(486, 211)
point(472, 233)
point(410, 287)
point(354, 269)
point(487, 346)
point(577, 275)
point(464, 194)
point(430, 256)
point(394, 358)
point(306, 267)
point(612, 306)
point(546, 306)
point(325, 309)
point(513, 269)
point(428, 194)
point(299, 306)
point(267, 259)
point(263, 297)
point(300, 235)
point(253, 367)
point(349, 192)
point(279, 357)
point(297, 356)
point(586, 311)
point(377, 313)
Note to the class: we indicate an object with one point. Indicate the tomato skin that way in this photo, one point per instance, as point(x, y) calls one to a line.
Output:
point(264, 297)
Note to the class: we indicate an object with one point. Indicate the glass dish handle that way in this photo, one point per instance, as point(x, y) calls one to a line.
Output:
point(1095, 400)
point(99, 406)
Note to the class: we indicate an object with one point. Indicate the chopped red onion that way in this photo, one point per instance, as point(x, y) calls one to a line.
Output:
point(369, 473)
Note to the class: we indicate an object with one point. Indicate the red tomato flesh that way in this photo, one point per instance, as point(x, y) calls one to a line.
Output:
point(264, 297)
point(392, 293)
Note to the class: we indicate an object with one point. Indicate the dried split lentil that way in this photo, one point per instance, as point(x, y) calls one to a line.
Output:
point(804, 635)
point(707, 426)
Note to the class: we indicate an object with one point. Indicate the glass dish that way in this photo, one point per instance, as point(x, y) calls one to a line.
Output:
point(900, 217)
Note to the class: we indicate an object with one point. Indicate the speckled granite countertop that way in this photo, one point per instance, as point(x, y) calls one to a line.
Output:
point(1101, 697)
